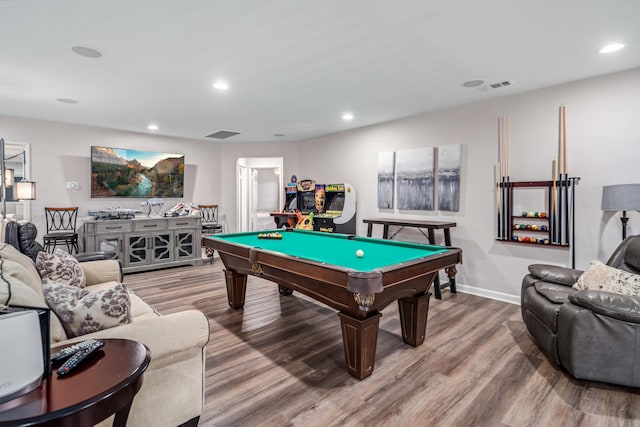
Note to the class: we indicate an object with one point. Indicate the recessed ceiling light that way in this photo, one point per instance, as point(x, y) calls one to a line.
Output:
point(611, 48)
point(347, 117)
point(278, 134)
point(152, 127)
point(221, 85)
point(87, 51)
point(67, 100)
point(472, 83)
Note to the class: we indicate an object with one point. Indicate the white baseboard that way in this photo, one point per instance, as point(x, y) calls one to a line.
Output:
point(499, 296)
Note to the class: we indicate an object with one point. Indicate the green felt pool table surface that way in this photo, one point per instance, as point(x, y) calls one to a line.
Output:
point(336, 249)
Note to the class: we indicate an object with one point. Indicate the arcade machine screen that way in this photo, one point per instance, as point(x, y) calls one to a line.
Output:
point(306, 196)
point(307, 201)
point(335, 202)
point(290, 200)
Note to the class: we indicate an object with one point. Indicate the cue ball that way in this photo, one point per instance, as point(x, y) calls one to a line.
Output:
point(359, 253)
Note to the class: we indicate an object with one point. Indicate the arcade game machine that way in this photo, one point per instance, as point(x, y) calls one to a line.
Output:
point(340, 210)
point(307, 196)
point(287, 218)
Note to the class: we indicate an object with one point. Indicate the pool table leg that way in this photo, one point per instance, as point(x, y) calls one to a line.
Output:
point(236, 288)
point(283, 290)
point(413, 318)
point(359, 338)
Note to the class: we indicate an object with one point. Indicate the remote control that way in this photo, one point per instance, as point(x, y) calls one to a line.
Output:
point(66, 353)
point(78, 358)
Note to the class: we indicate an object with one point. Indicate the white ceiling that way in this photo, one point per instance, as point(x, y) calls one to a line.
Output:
point(293, 66)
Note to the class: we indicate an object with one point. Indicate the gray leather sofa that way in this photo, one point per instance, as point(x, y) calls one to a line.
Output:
point(594, 335)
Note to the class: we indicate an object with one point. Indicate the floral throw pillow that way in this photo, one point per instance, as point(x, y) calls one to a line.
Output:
point(601, 277)
point(61, 267)
point(82, 311)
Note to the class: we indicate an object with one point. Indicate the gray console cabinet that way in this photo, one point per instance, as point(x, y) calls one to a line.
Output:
point(146, 243)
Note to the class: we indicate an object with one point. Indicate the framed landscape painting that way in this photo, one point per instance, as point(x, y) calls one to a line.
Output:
point(118, 172)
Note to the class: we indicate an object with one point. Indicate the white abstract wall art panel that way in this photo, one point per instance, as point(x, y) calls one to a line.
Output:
point(415, 179)
point(386, 175)
point(449, 163)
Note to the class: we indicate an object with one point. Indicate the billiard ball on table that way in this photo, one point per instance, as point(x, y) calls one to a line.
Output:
point(359, 253)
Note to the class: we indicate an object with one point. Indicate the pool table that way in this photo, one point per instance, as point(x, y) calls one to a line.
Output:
point(325, 267)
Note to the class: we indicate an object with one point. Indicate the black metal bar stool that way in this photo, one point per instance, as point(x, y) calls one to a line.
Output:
point(61, 229)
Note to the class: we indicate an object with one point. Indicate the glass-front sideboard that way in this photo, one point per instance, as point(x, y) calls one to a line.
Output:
point(146, 243)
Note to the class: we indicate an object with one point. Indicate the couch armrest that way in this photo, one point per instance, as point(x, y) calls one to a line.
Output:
point(621, 307)
point(95, 256)
point(101, 271)
point(555, 274)
point(170, 337)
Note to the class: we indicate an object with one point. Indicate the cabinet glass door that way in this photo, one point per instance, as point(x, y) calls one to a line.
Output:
point(110, 244)
point(137, 250)
point(185, 244)
point(162, 246)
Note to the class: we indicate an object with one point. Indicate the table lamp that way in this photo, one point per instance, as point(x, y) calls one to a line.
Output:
point(623, 197)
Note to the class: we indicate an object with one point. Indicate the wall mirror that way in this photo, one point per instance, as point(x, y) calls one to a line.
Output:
point(17, 166)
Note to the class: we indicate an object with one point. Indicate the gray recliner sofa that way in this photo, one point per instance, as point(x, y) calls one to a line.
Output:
point(594, 335)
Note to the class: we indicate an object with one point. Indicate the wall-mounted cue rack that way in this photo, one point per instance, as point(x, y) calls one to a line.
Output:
point(554, 225)
point(555, 228)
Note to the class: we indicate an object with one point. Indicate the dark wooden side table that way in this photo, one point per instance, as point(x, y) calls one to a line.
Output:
point(103, 385)
point(418, 224)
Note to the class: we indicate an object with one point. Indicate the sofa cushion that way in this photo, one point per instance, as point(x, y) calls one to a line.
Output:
point(23, 267)
point(601, 277)
point(83, 311)
point(17, 274)
point(139, 308)
point(60, 267)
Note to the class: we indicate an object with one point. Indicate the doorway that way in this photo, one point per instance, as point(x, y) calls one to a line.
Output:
point(259, 192)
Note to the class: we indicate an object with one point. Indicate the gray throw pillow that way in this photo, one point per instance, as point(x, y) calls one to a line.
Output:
point(82, 311)
point(61, 267)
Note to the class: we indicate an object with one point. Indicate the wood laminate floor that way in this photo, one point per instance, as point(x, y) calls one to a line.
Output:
point(280, 362)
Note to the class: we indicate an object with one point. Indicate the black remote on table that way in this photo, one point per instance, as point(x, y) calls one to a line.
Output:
point(78, 358)
point(65, 353)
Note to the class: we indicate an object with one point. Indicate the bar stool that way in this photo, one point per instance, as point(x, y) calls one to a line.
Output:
point(210, 224)
point(61, 229)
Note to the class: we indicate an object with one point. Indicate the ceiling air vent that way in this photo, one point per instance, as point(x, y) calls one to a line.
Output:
point(222, 134)
point(501, 84)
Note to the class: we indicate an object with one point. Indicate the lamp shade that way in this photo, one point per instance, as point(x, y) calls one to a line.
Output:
point(623, 197)
point(25, 190)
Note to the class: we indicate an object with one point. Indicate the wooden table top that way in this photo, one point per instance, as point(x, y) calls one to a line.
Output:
point(101, 386)
point(410, 222)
